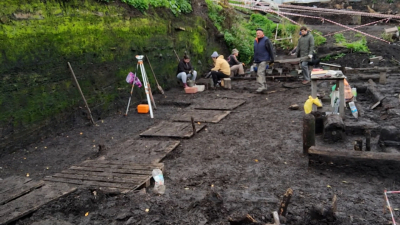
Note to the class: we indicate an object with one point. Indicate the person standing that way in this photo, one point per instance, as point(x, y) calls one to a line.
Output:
point(305, 48)
point(221, 68)
point(185, 70)
point(236, 66)
point(263, 57)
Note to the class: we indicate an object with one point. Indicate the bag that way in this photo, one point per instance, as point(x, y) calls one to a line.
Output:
point(132, 78)
point(308, 104)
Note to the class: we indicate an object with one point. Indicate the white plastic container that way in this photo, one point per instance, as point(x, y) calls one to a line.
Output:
point(353, 109)
point(158, 177)
point(200, 88)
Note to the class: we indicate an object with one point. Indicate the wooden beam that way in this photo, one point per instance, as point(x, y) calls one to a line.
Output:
point(324, 151)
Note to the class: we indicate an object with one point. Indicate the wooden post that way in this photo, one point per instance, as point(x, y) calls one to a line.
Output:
point(382, 77)
point(314, 93)
point(368, 140)
point(285, 202)
point(83, 97)
point(358, 145)
point(227, 83)
point(308, 132)
point(342, 98)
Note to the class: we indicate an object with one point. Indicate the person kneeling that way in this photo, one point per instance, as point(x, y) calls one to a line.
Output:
point(221, 68)
point(185, 71)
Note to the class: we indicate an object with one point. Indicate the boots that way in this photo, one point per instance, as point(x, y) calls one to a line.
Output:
point(262, 88)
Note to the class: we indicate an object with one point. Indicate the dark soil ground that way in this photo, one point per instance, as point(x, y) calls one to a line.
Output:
point(241, 165)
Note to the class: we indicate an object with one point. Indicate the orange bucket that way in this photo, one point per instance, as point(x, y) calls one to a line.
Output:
point(142, 108)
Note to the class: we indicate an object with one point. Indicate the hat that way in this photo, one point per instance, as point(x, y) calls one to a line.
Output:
point(214, 55)
point(259, 29)
point(234, 51)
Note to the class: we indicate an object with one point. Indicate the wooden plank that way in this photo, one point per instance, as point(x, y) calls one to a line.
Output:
point(204, 116)
point(12, 182)
point(86, 172)
point(18, 191)
point(105, 169)
point(120, 165)
point(218, 104)
point(142, 151)
point(32, 201)
point(323, 151)
point(171, 129)
point(89, 183)
point(108, 179)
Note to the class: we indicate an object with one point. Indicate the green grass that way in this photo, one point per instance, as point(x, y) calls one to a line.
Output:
point(357, 46)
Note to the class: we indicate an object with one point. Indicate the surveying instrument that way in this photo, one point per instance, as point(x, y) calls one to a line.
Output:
point(146, 84)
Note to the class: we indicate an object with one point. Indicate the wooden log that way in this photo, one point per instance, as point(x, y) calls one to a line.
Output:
point(308, 132)
point(387, 69)
point(333, 128)
point(334, 153)
point(285, 202)
point(374, 92)
point(389, 136)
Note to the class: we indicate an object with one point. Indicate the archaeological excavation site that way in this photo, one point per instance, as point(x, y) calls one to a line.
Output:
point(231, 112)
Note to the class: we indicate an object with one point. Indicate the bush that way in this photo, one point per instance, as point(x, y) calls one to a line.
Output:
point(357, 46)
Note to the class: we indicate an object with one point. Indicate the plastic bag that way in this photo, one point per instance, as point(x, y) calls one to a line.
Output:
point(132, 78)
point(308, 104)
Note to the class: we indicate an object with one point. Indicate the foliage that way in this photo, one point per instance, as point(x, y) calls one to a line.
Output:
point(176, 6)
point(141, 5)
point(214, 13)
point(318, 38)
point(339, 38)
point(329, 57)
point(357, 46)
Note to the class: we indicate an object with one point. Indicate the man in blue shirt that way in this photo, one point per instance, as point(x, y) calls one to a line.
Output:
point(263, 56)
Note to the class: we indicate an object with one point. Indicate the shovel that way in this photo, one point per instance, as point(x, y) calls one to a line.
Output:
point(158, 86)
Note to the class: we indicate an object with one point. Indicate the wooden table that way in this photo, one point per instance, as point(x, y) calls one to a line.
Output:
point(339, 80)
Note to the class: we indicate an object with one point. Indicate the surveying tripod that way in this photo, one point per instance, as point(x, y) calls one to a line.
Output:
point(146, 84)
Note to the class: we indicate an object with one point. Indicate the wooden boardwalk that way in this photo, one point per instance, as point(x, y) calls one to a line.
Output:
point(20, 196)
point(107, 175)
point(172, 129)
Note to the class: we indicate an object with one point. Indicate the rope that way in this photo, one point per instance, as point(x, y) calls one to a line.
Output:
point(313, 17)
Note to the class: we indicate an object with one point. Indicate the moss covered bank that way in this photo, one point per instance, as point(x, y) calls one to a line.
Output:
point(100, 40)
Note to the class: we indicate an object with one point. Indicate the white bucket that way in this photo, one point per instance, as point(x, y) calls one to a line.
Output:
point(200, 88)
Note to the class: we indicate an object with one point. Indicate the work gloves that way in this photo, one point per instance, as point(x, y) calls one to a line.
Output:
point(310, 56)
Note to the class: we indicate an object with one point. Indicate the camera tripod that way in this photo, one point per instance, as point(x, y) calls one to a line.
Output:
point(146, 84)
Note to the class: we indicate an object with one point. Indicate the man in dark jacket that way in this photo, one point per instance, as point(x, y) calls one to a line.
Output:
point(185, 70)
point(305, 48)
point(263, 56)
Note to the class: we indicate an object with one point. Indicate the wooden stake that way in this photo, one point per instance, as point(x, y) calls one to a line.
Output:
point(194, 126)
point(83, 97)
point(368, 140)
point(285, 202)
point(308, 132)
